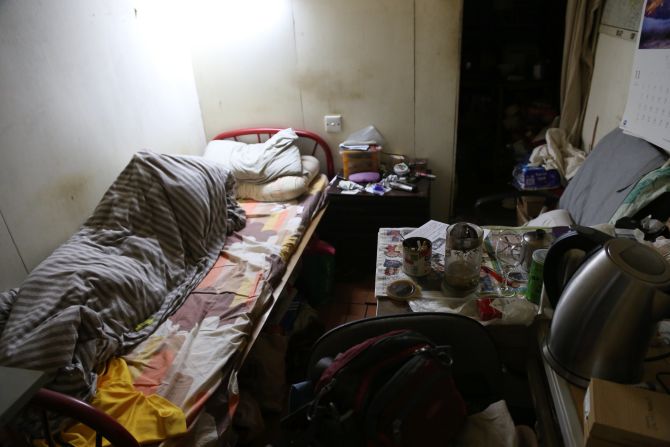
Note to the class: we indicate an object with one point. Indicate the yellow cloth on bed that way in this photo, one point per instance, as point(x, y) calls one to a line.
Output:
point(148, 418)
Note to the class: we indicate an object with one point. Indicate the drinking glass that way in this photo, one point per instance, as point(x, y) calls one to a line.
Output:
point(508, 253)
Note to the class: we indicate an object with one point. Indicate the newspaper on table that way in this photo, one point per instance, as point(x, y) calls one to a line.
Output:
point(435, 231)
point(390, 259)
point(389, 263)
point(432, 230)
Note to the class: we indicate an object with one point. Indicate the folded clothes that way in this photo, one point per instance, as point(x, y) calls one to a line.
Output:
point(355, 146)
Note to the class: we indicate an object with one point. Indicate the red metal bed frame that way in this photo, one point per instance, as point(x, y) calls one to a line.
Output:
point(105, 426)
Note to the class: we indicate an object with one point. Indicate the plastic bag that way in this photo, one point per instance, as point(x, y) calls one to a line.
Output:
point(363, 138)
point(514, 311)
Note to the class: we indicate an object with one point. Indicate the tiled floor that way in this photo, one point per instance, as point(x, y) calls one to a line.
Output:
point(353, 299)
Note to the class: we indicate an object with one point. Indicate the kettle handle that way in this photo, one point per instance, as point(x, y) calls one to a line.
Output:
point(581, 238)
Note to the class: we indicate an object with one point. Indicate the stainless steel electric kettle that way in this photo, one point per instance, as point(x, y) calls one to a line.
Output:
point(606, 315)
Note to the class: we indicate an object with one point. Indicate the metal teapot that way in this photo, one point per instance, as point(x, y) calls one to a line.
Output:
point(607, 313)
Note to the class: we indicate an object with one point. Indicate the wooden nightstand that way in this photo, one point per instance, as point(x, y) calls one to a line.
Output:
point(352, 222)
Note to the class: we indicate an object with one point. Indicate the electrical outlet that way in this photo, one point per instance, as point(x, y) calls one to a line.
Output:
point(333, 123)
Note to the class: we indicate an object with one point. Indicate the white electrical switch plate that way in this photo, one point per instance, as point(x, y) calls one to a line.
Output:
point(333, 123)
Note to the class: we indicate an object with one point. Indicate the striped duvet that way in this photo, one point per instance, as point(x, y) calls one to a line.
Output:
point(155, 234)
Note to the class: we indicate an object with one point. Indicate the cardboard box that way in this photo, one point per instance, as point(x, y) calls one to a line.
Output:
point(531, 205)
point(527, 208)
point(521, 217)
point(622, 415)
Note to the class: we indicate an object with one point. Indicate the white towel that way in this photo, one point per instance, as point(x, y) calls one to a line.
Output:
point(558, 154)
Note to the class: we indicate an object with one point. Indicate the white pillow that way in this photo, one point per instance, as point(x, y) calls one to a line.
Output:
point(259, 162)
point(221, 151)
point(284, 188)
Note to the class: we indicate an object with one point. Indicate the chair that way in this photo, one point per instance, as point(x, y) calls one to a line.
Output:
point(477, 369)
point(600, 186)
point(46, 401)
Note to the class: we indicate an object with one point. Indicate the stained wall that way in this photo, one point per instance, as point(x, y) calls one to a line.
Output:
point(84, 84)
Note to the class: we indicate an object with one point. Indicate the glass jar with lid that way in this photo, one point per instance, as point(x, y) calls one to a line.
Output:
point(462, 259)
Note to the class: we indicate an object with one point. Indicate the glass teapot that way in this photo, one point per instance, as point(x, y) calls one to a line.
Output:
point(462, 259)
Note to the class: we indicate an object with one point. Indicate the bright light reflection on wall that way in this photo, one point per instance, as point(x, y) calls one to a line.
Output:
point(222, 22)
point(162, 30)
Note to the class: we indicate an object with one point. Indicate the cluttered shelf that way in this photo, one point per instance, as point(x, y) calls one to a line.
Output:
point(500, 122)
point(367, 195)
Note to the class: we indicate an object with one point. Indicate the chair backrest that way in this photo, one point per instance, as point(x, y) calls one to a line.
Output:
point(67, 406)
point(477, 369)
point(609, 173)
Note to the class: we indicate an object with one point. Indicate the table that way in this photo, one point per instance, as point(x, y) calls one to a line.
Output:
point(517, 344)
point(389, 269)
point(564, 400)
point(18, 387)
point(568, 400)
point(557, 403)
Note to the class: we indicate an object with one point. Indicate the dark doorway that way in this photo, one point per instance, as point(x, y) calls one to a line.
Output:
point(509, 90)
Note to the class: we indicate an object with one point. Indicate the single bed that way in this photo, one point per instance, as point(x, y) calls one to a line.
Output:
point(192, 358)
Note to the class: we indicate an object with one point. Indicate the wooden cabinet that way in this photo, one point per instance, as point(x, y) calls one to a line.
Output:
point(352, 222)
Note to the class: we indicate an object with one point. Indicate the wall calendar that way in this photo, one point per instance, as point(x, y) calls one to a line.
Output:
point(647, 113)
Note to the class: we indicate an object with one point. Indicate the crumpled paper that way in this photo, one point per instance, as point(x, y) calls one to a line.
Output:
point(492, 427)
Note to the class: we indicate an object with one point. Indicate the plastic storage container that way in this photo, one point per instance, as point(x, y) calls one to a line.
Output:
point(535, 177)
point(360, 161)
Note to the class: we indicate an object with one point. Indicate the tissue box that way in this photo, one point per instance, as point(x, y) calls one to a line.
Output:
point(621, 415)
point(535, 177)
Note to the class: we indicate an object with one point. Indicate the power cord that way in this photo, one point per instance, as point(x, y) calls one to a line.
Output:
point(660, 381)
point(657, 357)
